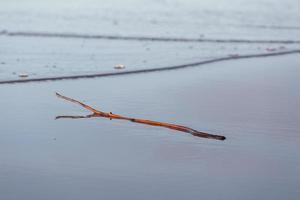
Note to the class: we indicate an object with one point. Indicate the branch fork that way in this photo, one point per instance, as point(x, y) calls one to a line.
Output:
point(110, 115)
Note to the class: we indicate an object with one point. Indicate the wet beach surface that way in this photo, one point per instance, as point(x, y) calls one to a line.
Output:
point(253, 102)
point(203, 30)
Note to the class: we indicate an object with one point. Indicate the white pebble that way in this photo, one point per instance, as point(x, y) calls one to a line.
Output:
point(119, 66)
point(23, 75)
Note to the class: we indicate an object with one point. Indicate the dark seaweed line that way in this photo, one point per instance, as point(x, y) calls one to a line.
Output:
point(141, 38)
point(148, 70)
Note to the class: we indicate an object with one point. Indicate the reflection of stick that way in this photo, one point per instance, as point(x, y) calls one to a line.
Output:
point(97, 113)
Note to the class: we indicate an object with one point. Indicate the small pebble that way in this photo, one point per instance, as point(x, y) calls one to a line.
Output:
point(119, 66)
point(271, 49)
point(23, 75)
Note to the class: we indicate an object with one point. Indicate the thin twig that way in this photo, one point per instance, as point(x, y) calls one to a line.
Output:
point(97, 113)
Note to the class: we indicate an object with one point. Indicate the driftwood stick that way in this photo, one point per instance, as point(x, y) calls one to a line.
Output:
point(98, 113)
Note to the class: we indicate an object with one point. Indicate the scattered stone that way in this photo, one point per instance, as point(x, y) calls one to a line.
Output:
point(23, 75)
point(119, 66)
point(271, 49)
point(3, 63)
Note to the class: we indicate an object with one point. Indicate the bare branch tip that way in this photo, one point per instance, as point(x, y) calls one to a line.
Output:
point(57, 94)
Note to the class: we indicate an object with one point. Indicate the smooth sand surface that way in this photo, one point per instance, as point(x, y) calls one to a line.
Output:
point(253, 102)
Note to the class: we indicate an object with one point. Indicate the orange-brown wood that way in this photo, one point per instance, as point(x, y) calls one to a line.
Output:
point(98, 113)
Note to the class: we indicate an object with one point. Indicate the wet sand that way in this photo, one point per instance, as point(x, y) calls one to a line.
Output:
point(253, 102)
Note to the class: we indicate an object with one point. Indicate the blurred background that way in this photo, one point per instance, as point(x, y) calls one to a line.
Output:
point(89, 36)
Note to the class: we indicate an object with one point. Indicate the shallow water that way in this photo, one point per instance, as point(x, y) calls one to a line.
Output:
point(264, 19)
point(209, 21)
point(52, 57)
point(253, 102)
